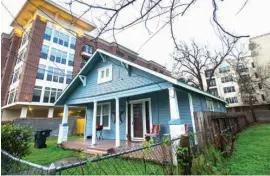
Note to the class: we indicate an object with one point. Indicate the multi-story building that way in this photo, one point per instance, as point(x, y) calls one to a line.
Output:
point(224, 83)
point(46, 49)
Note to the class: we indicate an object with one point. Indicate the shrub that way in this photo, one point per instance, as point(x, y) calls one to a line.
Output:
point(16, 139)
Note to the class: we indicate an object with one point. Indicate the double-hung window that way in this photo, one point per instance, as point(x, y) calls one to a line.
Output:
point(51, 94)
point(61, 38)
point(64, 57)
point(105, 74)
point(41, 72)
point(11, 96)
point(71, 59)
point(50, 73)
point(48, 33)
point(66, 40)
point(229, 89)
point(55, 36)
point(69, 77)
point(53, 54)
point(44, 51)
point(16, 75)
point(210, 105)
point(104, 115)
point(21, 56)
point(37, 94)
point(72, 43)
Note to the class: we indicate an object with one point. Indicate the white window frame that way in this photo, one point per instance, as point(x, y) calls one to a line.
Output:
point(210, 104)
point(101, 115)
point(108, 78)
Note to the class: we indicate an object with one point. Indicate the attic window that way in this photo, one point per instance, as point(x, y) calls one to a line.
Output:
point(105, 74)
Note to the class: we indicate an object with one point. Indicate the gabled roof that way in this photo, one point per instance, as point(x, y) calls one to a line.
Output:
point(174, 81)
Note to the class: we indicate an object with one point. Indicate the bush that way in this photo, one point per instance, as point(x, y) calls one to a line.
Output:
point(16, 140)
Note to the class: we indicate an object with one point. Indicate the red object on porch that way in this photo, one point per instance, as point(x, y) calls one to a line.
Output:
point(99, 129)
point(155, 131)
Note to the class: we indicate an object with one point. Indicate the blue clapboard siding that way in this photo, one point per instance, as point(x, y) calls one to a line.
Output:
point(160, 114)
point(184, 108)
point(121, 81)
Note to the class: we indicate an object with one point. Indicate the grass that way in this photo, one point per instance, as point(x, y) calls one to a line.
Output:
point(46, 156)
point(252, 155)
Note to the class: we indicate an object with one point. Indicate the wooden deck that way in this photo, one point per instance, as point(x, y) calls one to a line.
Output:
point(104, 146)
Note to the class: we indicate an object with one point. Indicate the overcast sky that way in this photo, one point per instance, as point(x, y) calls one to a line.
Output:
point(253, 20)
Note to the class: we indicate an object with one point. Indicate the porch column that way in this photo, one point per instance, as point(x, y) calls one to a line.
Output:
point(63, 127)
point(50, 112)
point(174, 109)
point(192, 115)
point(117, 123)
point(94, 124)
point(24, 112)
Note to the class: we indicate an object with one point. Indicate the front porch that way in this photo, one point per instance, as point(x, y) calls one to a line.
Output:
point(104, 146)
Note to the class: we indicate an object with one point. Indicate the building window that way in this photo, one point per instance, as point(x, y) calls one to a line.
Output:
point(24, 38)
point(253, 65)
point(104, 115)
point(263, 97)
point(41, 71)
point(69, 77)
point(208, 73)
point(58, 56)
point(16, 75)
point(51, 94)
point(88, 49)
point(211, 82)
point(21, 56)
point(229, 89)
point(260, 85)
point(119, 53)
point(242, 68)
point(37, 94)
point(232, 100)
point(72, 43)
point(66, 40)
point(55, 36)
point(44, 51)
point(210, 105)
point(70, 59)
point(226, 79)
point(224, 69)
point(105, 74)
point(55, 75)
point(48, 33)
point(214, 91)
point(11, 96)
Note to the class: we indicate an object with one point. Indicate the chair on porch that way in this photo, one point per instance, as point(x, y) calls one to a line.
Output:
point(154, 134)
point(99, 129)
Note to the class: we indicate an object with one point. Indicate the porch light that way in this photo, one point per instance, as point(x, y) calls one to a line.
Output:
point(80, 35)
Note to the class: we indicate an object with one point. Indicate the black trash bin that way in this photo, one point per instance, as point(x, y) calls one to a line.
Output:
point(40, 138)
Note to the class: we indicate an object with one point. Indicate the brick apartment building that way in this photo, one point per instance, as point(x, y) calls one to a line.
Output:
point(45, 50)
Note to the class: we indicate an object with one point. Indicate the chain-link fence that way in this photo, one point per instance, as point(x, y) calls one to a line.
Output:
point(157, 159)
point(11, 165)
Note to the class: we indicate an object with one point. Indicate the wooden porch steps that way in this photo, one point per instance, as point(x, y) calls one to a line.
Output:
point(97, 150)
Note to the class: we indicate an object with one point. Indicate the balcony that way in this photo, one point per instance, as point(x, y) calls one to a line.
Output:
point(87, 51)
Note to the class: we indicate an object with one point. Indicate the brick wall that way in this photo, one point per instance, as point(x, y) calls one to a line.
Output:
point(4, 50)
point(7, 70)
point(32, 56)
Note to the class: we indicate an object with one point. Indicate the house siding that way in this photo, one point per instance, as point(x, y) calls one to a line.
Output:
point(184, 108)
point(160, 114)
point(121, 81)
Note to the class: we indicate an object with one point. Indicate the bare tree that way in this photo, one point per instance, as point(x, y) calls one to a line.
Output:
point(192, 60)
point(251, 82)
point(146, 11)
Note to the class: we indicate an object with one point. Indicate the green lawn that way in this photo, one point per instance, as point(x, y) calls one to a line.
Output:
point(252, 155)
point(48, 155)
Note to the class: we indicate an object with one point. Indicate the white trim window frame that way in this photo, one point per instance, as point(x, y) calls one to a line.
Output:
point(210, 104)
point(105, 74)
point(101, 112)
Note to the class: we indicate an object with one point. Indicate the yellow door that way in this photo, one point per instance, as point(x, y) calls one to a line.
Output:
point(80, 126)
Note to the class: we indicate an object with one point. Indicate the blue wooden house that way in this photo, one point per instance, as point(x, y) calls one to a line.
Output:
point(127, 99)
